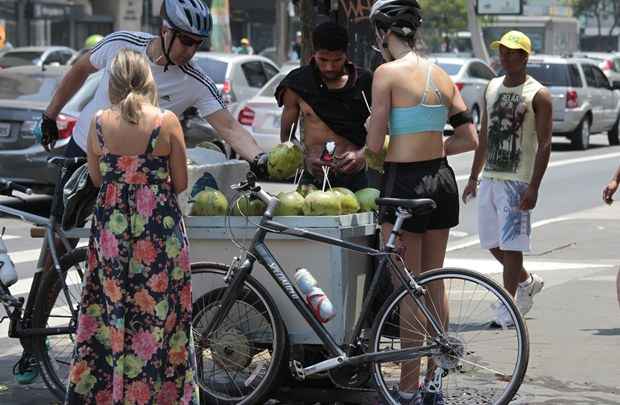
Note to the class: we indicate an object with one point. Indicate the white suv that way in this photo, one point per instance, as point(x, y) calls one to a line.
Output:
point(584, 101)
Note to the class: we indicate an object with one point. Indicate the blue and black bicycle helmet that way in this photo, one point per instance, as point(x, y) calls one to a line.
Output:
point(187, 16)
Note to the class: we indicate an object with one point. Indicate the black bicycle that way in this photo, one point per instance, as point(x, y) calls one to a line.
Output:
point(436, 325)
point(46, 321)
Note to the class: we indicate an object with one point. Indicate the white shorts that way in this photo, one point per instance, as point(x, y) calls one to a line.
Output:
point(500, 222)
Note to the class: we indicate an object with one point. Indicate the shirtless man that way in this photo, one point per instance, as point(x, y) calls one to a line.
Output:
point(329, 93)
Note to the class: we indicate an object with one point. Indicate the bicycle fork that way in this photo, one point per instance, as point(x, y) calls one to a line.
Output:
point(233, 289)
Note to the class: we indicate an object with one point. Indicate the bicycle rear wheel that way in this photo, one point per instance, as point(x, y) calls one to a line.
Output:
point(479, 364)
point(239, 361)
point(55, 353)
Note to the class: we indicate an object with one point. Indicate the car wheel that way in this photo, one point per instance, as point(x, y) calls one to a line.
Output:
point(581, 137)
point(612, 134)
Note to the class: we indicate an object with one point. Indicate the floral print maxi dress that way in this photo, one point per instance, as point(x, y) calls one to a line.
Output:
point(134, 344)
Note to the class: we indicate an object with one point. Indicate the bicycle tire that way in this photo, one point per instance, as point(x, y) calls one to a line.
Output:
point(256, 298)
point(55, 368)
point(469, 353)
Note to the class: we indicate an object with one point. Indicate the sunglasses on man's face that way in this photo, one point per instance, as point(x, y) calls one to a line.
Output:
point(188, 41)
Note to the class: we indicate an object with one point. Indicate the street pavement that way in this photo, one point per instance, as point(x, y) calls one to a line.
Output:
point(575, 324)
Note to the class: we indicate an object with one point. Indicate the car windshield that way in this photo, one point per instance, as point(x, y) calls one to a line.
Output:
point(215, 69)
point(549, 74)
point(451, 68)
point(269, 90)
point(31, 87)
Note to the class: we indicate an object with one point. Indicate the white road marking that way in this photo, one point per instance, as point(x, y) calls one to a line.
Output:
point(476, 240)
point(31, 255)
point(565, 162)
point(492, 266)
point(9, 237)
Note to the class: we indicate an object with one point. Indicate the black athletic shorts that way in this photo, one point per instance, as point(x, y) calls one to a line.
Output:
point(428, 179)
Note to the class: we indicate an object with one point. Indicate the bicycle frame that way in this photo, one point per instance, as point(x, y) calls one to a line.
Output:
point(17, 328)
point(259, 251)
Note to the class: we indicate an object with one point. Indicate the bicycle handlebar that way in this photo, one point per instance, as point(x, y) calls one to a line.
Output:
point(10, 186)
point(256, 190)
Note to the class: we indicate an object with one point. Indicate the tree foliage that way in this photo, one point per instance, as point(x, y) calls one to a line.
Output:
point(597, 9)
point(442, 18)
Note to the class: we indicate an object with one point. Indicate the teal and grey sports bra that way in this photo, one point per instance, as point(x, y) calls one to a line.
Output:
point(421, 117)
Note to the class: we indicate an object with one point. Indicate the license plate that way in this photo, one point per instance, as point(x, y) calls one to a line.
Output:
point(5, 129)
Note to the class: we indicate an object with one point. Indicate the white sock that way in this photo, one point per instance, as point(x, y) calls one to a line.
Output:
point(526, 282)
point(405, 395)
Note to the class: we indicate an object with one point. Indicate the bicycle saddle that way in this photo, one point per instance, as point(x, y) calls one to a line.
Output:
point(418, 206)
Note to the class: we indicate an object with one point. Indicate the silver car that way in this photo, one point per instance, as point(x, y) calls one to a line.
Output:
point(584, 102)
point(261, 115)
point(471, 76)
point(36, 55)
point(608, 62)
point(25, 93)
point(238, 77)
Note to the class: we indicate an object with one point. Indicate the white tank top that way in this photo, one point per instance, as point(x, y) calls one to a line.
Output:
point(511, 130)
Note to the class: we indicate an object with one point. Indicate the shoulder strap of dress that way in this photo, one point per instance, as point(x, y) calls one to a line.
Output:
point(155, 133)
point(98, 129)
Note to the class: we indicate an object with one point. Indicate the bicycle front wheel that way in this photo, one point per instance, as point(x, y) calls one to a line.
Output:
point(239, 361)
point(476, 363)
point(55, 352)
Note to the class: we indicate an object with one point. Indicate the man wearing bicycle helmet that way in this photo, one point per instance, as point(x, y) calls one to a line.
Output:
point(180, 83)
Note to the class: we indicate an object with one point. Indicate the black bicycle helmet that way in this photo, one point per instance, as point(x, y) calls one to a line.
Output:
point(401, 17)
point(188, 16)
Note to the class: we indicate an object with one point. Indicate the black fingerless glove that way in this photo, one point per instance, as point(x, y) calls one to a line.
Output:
point(49, 132)
point(258, 165)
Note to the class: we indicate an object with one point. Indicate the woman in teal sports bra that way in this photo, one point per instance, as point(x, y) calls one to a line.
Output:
point(414, 99)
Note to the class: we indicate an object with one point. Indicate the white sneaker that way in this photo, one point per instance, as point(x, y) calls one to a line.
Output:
point(525, 295)
point(502, 318)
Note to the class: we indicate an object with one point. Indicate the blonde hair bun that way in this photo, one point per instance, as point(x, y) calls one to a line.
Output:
point(132, 84)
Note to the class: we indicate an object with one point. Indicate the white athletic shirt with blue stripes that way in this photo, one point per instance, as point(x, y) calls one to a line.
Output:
point(179, 88)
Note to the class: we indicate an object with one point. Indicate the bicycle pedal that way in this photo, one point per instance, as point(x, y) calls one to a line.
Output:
point(297, 370)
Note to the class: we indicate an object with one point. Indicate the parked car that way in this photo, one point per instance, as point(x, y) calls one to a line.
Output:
point(471, 76)
point(584, 101)
point(238, 77)
point(608, 62)
point(36, 55)
point(261, 114)
point(25, 93)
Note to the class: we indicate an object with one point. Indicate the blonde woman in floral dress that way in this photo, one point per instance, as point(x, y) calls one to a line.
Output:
point(133, 341)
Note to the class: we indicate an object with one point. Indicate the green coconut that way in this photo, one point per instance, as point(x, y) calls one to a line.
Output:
point(366, 197)
point(348, 201)
point(305, 189)
point(375, 160)
point(245, 206)
point(319, 203)
point(284, 160)
point(209, 202)
point(291, 203)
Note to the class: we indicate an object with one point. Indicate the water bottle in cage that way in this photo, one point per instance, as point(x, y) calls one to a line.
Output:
point(315, 297)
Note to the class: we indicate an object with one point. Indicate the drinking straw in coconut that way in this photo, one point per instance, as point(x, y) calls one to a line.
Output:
point(366, 102)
